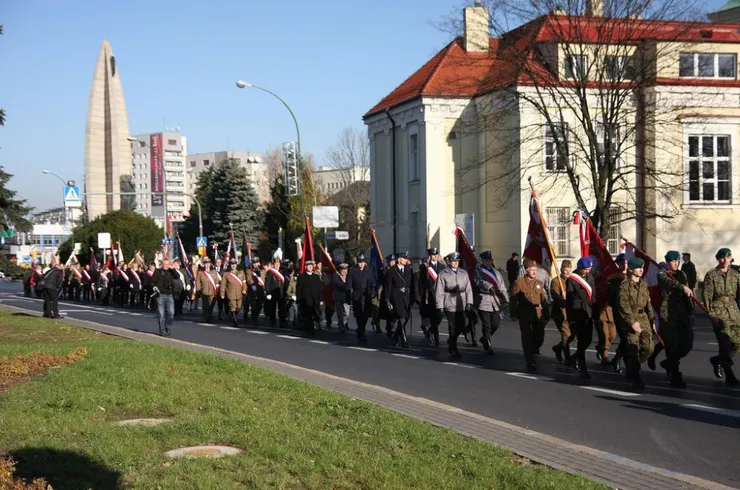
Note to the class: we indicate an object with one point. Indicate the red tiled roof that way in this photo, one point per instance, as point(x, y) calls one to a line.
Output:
point(454, 72)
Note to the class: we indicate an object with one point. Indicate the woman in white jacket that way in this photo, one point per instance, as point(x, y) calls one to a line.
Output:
point(454, 296)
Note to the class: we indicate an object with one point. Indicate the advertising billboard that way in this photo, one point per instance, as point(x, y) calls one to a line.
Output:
point(157, 168)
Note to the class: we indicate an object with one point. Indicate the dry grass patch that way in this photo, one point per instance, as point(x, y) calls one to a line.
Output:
point(9, 482)
point(21, 368)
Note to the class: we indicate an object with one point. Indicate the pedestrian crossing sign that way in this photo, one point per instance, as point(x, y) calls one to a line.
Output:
point(202, 242)
point(72, 196)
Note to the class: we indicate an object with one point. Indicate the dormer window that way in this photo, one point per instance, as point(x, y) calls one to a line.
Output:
point(707, 65)
point(576, 66)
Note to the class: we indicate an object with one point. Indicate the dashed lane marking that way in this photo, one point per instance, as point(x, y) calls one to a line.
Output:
point(322, 342)
point(258, 332)
point(97, 312)
point(407, 356)
point(469, 366)
point(206, 324)
point(291, 337)
point(611, 392)
point(596, 352)
point(229, 328)
point(364, 349)
point(523, 375)
point(714, 410)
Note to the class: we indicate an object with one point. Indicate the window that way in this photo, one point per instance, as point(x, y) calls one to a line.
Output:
point(608, 138)
point(707, 65)
point(614, 233)
point(206, 163)
point(192, 163)
point(709, 168)
point(558, 226)
point(619, 68)
point(576, 66)
point(413, 157)
point(172, 142)
point(556, 161)
point(238, 161)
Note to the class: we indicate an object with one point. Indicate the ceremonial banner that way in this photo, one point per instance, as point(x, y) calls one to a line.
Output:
point(593, 246)
point(376, 258)
point(307, 253)
point(538, 246)
point(468, 260)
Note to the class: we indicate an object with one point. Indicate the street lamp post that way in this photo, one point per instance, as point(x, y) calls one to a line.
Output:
point(64, 184)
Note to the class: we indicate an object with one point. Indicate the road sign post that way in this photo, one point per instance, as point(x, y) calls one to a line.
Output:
point(202, 243)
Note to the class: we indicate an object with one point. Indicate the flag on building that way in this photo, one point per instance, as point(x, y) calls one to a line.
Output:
point(468, 260)
point(376, 258)
point(538, 246)
point(593, 246)
point(307, 253)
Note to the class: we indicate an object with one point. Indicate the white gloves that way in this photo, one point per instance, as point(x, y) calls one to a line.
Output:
point(269, 297)
point(131, 286)
point(293, 298)
point(187, 288)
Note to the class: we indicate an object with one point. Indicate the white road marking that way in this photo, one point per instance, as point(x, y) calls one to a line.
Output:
point(291, 337)
point(258, 332)
point(229, 328)
point(712, 343)
point(611, 392)
point(364, 349)
point(406, 356)
point(715, 410)
point(595, 352)
point(469, 366)
point(322, 342)
point(440, 333)
point(136, 314)
point(523, 375)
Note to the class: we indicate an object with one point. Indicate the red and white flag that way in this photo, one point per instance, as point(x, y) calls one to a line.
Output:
point(468, 262)
point(593, 246)
point(538, 246)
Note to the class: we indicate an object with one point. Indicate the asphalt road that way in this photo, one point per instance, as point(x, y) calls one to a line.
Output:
point(693, 431)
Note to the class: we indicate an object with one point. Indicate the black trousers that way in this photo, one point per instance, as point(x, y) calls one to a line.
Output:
point(208, 303)
point(51, 302)
point(271, 305)
point(490, 321)
point(582, 325)
point(455, 326)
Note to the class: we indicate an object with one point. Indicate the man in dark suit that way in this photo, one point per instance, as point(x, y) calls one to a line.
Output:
point(362, 288)
point(512, 269)
point(428, 273)
point(401, 295)
point(308, 295)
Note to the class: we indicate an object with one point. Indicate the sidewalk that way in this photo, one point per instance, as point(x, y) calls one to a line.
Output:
point(600, 466)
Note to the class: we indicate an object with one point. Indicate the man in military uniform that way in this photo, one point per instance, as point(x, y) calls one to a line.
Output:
point(453, 296)
point(401, 295)
point(560, 314)
point(219, 269)
point(639, 321)
point(721, 295)
point(207, 285)
point(613, 285)
point(490, 298)
point(256, 292)
point(308, 292)
point(233, 288)
point(676, 317)
point(527, 300)
point(580, 296)
point(428, 274)
point(361, 289)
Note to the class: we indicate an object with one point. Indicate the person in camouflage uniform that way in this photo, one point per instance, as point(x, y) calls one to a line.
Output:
point(721, 295)
point(676, 316)
point(613, 286)
point(638, 320)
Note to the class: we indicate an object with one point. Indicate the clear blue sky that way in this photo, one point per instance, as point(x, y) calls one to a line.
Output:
point(331, 60)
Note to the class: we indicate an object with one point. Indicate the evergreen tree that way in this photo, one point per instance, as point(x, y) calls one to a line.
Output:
point(277, 215)
point(233, 201)
point(190, 229)
point(13, 211)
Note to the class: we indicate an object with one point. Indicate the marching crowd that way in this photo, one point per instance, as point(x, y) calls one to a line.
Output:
point(443, 290)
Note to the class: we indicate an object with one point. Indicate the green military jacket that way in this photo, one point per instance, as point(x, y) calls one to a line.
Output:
point(634, 304)
point(675, 306)
point(721, 294)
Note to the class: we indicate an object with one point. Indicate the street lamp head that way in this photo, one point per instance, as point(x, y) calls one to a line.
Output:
point(131, 138)
point(46, 171)
point(243, 84)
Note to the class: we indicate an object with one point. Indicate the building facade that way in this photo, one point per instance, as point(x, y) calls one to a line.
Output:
point(253, 163)
point(159, 176)
point(107, 155)
point(466, 133)
point(332, 180)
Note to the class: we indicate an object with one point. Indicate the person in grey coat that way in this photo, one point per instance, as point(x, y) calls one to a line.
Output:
point(491, 298)
point(342, 297)
point(454, 297)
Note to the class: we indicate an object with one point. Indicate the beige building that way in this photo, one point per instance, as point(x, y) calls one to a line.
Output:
point(253, 163)
point(332, 180)
point(107, 154)
point(466, 132)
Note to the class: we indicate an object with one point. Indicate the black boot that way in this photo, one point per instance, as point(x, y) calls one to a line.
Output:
point(486, 345)
point(677, 379)
point(668, 369)
point(718, 372)
point(435, 336)
point(558, 350)
point(730, 378)
point(452, 348)
point(617, 362)
point(569, 360)
point(402, 331)
point(637, 383)
point(233, 318)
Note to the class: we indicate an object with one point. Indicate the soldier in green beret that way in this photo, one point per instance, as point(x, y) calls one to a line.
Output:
point(638, 321)
point(676, 316)
point(721, 295)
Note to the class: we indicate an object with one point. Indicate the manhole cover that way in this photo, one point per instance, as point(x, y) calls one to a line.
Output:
point(203, 452)
point(144, 422)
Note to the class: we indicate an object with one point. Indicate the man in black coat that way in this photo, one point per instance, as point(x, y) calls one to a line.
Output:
point(362, 285)
point(308, 296)
point(512, 269)
point(580, 297)
point(428, 274)
point(401, 295)
point(689, 269)
point(165, 282)
point(50, 290)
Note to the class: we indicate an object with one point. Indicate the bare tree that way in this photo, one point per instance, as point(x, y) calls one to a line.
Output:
point(570, 102)
point(273, 157)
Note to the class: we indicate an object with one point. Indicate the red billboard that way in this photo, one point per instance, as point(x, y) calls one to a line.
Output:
point(157, 168)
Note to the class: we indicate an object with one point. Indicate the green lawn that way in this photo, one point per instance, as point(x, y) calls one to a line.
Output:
point(294, 435)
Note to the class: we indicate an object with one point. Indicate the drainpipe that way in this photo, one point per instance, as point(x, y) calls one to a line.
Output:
point(640, 136)
point(393, 175)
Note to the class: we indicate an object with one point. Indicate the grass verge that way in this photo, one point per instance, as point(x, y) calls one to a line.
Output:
point(60, 426)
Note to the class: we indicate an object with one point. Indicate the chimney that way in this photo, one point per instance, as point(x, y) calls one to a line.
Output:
point(594, 8)
point(476, 28)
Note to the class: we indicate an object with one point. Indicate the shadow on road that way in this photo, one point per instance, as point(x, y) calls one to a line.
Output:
point(64, 470)
point(713, 417)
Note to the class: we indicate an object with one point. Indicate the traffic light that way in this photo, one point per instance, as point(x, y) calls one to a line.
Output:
point(292, 169)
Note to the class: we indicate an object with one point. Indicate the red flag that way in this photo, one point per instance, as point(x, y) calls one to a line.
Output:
point(538, 246)
point(592, 245)
point(307, 246)
point(328, 269)
point(468, 260)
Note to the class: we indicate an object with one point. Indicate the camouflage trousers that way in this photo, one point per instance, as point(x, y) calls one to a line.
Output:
point(728, 339)
point(678, 340)
point(638, 347)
